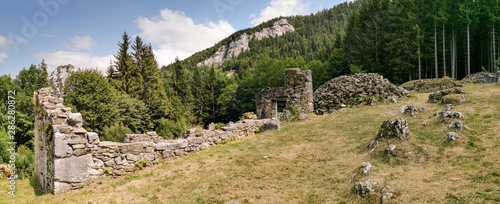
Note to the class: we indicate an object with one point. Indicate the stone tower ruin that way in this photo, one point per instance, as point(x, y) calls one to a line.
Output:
point(297, 93)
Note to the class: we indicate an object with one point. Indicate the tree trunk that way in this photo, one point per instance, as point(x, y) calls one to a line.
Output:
point(435, 51)
point(494, 49)
point(468, 49)
point(444, 52)
point(419, 64)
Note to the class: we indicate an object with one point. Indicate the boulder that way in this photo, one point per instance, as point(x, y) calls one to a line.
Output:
point(270, 124)
point(395, 128)
point(302, 116)
point(453, 99)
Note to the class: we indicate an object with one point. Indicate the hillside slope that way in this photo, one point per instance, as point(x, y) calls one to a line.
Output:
point(313, 33)
point(313, 161)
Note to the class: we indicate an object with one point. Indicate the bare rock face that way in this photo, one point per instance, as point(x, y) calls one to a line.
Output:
point(438, 95)
point(349, 91)
point(364, 188)
point(395, 128)
point(235, 48)
point(480, 78)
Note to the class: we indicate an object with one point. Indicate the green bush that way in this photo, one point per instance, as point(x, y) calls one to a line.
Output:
point(218, 126)
point(115, 133)
point(169, 129)
point(25, 162)
point(4, 154)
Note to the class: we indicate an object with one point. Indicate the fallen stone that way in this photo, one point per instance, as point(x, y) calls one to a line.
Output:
point(364, 188)
point(390, 149)
point(302, 116)
point(366, 167)
point(452, 136)
point(459, 125)
point(61, 187)
point(270, 124)
point(385, 197)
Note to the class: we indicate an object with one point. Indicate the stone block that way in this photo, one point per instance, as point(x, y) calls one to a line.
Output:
point(97, 163)
point(79, 146)
point(79, 130)
point(110, 163)
point(93, 138)
point(204, 146)
point(118, 172)
point(77, 139)
point(72, 169)
point(146, 156)
point(129, 168)
point(61, 147)
point(131, 148)
point(270, 124)
point(183, 143)
point(168, 153)
point(60, 187)
point(75, 119)
point(96, 172)
point(132, 157)
point(79, 152)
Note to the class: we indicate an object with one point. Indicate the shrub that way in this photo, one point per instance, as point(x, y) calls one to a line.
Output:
point(115, 133)
point(169, 129)
point(218, 126)
point(24, 162)
point(4, 154)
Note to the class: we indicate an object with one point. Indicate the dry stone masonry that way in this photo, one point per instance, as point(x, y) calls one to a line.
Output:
point(297, 93)
point(68, 157)
point(438, 95)
point(350, 91)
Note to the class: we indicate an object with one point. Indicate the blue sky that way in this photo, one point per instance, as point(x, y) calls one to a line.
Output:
point(85, 33)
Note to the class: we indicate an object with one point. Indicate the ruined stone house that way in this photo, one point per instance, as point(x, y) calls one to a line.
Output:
point(297, 93)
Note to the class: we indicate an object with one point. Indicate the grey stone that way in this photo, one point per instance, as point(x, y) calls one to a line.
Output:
point(183, 143)
point(385, 197)
point(72, 169)
point(146, 156)
point(232, 202)
point(131, 148)
point(395, 128)
point(110, 163)
point(364, 188)
point(211, 127)
point(96, 172)
point(61, 147)
point(97, 163)
point(60, 187)
point(270, 124)
point(366, 167)
point(131, 157)
point(302, 116)
point(459, 125)
point(452, 136)
point(204, 146)
point(75, 119)
point(93, 138)
point(118, 172)
point(390, 149)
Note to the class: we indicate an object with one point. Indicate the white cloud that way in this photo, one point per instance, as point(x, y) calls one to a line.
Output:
point(4, 43)
point(81, 43)
point(77, 59)
point(3, 56)
point(178, 35)
point(278, 8)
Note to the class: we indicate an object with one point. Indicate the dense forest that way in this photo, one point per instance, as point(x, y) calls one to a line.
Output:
point(400, 39)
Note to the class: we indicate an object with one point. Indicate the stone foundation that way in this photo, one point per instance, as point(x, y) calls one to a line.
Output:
point(68, 157)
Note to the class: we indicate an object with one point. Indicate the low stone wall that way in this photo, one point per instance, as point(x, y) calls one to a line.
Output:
point(68, 157)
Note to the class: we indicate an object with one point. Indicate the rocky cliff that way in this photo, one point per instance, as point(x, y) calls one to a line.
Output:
point(235, 48)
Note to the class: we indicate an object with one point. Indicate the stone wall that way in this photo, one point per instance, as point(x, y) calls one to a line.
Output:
point(297, 93)
point(68, 157)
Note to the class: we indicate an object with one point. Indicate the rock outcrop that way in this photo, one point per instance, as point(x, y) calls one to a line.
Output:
point(432, 85)
point(235, 48)
point(364, 188)
point(350, 91)
point(448, 113)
